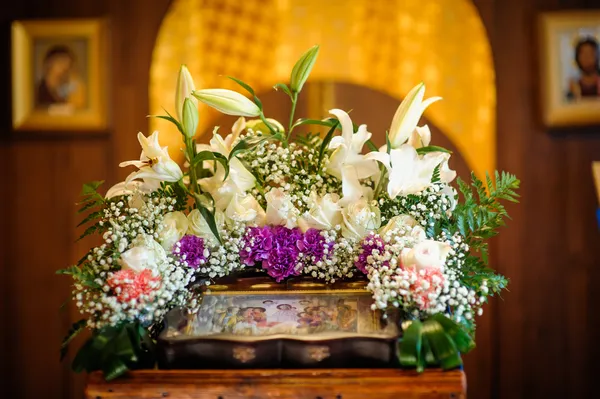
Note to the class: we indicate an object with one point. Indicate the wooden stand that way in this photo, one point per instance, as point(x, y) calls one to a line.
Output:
point(292, 384)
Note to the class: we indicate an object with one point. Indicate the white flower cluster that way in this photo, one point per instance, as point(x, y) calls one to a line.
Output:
point(130, 277)
point(293, 169)
point(435, 202)
point(420, 291)
point(225, 259)
point(338, 259)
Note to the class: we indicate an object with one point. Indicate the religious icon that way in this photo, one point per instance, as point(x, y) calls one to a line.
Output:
point(587, 83)
point(60, 82)
point(570, 63)
point(59, 71)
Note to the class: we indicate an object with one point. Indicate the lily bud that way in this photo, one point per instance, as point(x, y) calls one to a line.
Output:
point(408, 114)
point(190, 117)
point(302, 69)
point(185, 87)
point(228, 102)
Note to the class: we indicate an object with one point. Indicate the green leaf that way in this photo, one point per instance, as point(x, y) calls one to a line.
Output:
point(284, 88)
point(325, 144)
point(91, 187)
point(90, 217)
point(212, 156)
point(210, 220)
point(329, 122)
point(302, 69)
point(409, 349)
point(190, 118)
point(258, 103)
point(428, 355)
point(388, 144)
point(90, 230)
point(83, 357)
point(244, 85)
point(89, 205)
point(171, 119)
point(461, 338)
point(114, 368)
point(442, 345)
point(247, 144)
point(75, 329)
point(432, 148)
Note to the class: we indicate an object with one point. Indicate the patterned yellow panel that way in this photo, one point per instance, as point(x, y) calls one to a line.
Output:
point(386, 45)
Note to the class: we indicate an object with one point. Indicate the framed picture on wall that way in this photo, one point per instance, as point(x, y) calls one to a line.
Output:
point(570, 66)
point(59, 77)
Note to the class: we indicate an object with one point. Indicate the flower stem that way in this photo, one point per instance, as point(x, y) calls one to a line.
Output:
point(191, 153)
point(379, 186)
point(294, 98)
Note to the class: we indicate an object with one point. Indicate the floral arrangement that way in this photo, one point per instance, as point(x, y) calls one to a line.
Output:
point(330, 207)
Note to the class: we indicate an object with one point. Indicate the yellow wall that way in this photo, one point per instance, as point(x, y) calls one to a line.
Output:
point(386, 45)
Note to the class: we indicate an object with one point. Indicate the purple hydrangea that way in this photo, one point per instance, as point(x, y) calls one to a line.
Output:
point(283, 255)
point(369, 244)
point(258, 241)
point(191, 249)
point(313, 244)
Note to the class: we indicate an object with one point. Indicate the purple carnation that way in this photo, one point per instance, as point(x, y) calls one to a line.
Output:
point(286, 238)
point(281, 263)
point(190, 249)
point(283, 256)
point(258, 241)
point(369, 244)
point(313, 244)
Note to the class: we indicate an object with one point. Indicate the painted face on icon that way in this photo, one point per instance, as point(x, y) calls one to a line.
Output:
point(587, 58)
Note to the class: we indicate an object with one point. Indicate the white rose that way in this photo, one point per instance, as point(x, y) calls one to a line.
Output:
point(428, 253)
point(174, 226)
point(145, 254)
point(245, 208)
point(324, 214)
point(403, 225)
point(199, 227)
point(359, 218)
point(280, 209)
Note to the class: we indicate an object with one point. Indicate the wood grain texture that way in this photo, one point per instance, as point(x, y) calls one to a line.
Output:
point(281, 384)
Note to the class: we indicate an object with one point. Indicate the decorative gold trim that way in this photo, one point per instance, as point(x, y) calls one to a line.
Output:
point(244, 353)
point(25, 116)
point(285, 292)
point(260, 286)
point(318, 353)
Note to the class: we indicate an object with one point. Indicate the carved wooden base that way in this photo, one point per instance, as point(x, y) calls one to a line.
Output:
point(281, 384)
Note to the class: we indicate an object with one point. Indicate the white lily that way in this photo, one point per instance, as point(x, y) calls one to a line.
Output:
point(155, 164)
point(408, 114)
point(239, 179)
point(409, 173)
point(347, 163)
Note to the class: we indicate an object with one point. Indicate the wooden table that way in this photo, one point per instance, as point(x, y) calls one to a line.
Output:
point(297, 384)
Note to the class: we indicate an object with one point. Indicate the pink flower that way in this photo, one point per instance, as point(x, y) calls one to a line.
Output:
point(130, 285)
point(430, 280)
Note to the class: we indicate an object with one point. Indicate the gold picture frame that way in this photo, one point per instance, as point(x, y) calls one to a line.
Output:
point(59, 70)
point(570, 79)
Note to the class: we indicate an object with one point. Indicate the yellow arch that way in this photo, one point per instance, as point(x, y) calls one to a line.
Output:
point(385, 45)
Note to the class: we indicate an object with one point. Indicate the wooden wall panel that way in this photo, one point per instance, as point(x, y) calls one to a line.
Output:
point(537, 342)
